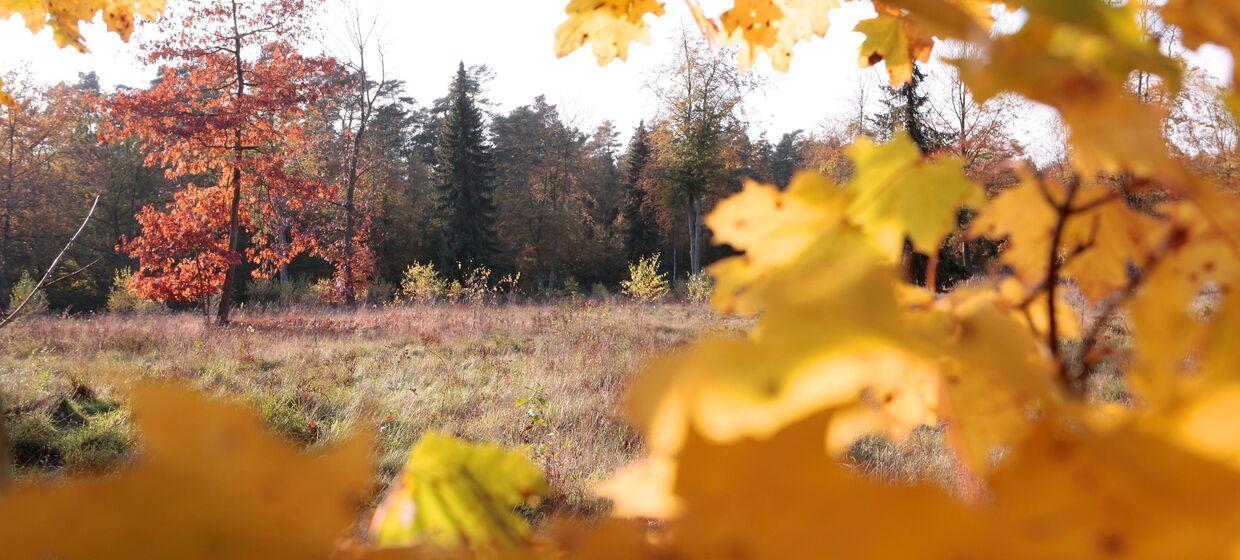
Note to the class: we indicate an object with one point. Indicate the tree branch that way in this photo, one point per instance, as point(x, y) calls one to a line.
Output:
point(55, 262)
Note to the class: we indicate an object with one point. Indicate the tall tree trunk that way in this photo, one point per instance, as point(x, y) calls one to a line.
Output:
point(9, 191)
point(695, 235)
point(234, 212)
point(675, 255)
point(234, 245)
point(286, 240)
point(350, 206)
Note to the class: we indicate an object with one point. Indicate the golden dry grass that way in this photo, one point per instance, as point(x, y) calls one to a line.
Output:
point(551, 377)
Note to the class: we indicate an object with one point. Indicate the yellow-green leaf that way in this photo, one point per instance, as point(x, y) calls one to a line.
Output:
point(896, 40)
point(898, 193)
point(454, 493)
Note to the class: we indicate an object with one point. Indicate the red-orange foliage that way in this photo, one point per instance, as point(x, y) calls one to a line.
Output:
point(183, 251)
point(226, 106)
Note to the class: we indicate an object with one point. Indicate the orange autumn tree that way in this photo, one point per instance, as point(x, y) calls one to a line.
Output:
point(184, 249)
point(225, 108)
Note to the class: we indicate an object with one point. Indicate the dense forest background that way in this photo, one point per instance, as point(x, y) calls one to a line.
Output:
point(529, 194)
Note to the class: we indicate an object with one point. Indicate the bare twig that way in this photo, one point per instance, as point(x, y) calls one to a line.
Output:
point(72, 274)
point(55, 262)
point(1064, 210)
point(1116, 302)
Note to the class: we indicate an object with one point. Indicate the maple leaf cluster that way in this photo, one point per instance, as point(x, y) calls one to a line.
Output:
point(745, 432)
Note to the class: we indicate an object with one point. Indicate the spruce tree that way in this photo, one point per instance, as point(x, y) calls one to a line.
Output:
point(907, 108)
point(787, 158)
point(463, 180)
point(642, 236)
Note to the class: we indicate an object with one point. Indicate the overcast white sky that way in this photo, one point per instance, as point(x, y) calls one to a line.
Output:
point(427, 38)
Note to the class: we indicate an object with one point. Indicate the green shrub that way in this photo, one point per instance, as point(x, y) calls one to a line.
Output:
point(599, 291)
point(100, 444)
point(286, 416)
point(122, 299)
point(302, 293)
point(37, 304)
point(699, 288)
point(421, 283)
point(285, 294)
point(645, 283)
point(263, 290)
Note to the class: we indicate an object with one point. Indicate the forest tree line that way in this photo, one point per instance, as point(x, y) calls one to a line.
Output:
point(247, 165)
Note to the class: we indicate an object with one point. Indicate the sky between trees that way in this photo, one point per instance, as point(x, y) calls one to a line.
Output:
point(426, 41)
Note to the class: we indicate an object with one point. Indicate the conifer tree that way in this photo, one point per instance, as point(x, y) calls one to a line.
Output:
point(787, 158)
point(642, 235)
point(907, 108)
point(464, 178)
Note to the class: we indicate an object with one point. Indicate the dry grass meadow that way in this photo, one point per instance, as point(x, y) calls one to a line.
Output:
point(551, 377)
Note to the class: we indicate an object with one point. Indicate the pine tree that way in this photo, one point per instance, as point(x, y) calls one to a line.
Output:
point(907, 108)
point(787, 158)
point(642, 237)
point(758, 160)
point(463, 180)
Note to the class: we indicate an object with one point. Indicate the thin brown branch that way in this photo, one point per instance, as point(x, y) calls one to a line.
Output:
point(73, 274)
point(55, 262)
point(1054, 264)
point(1117, 301)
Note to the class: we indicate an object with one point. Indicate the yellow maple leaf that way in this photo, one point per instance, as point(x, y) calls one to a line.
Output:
point(995, 377)
point(806, 505)
point(1076, 57)
point(899, 194)
point(1100, 239)
point(967, 20)
point(754, 21)
point(643, 489)
point(774, 28)
point(772, 228)
point(1034, 310)
point(1114, 238)
point(65, 16)
point(893, 38)
point(1026, 219)
point(1208, 425)
point(5, 97)
point(1168, 331)
point(211, 483)
point(453, 493)
point(609, 26)
point(1071, 494)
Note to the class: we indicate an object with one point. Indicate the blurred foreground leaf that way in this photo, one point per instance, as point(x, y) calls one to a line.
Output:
point(456, 493)
point(211, 483)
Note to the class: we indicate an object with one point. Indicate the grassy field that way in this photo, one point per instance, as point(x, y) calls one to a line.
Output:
point(552, 377)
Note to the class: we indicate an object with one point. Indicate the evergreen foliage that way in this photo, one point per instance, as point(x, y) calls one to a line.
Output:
point(908, 108)
point(463, 180)
point(642, 230)
point(787, 158)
